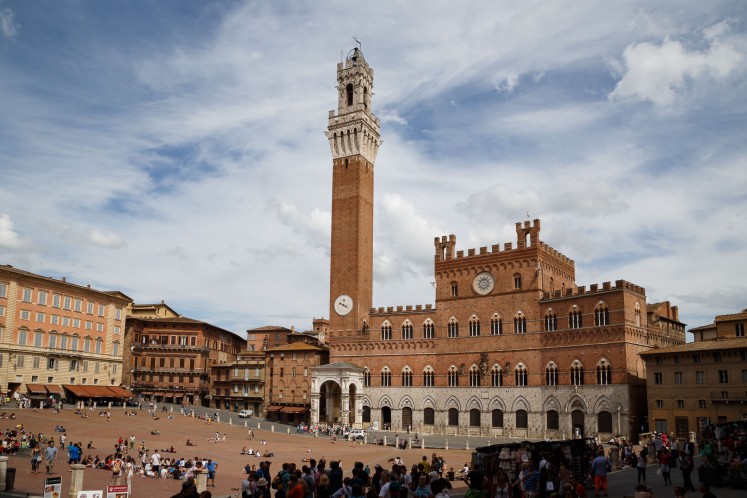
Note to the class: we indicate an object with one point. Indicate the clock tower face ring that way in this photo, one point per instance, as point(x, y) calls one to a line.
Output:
point(343, 304)
point(483, 283)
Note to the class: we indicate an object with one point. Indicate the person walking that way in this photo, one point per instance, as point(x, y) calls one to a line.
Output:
point(641, 465)
point(600, 466)
point(35, 460)
point(687, 466)
point(211, 468)
point(50, 455)
point(665, 459)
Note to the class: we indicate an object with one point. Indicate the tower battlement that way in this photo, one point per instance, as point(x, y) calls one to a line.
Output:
point(595, 289)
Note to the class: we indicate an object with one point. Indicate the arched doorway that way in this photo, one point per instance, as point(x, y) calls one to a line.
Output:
point(366, 415)
point(406, 418)
point(577, 423)
point(329, 402)
point(386, 417)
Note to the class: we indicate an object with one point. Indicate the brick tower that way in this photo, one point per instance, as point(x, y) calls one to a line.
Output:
point(354, 139)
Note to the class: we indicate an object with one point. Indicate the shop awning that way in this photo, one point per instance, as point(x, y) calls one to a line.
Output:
point(178, 396)
point(99, 392)
point(78, 391)
point(120, 392)
point(37, 397)
point(294, 409)
point(273, 408)
point(159, 394)
point(146, 393)
point(36, 389)
point(54, 389)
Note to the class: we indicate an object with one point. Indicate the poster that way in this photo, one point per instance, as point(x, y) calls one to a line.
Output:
point(53, 487)
point(91, 494)
point(117, 491)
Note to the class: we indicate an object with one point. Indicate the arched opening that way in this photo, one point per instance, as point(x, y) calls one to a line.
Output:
point(406, 418)
point(577, 421)
point(497, 418)
point(349, 92)
point(351, 404)
point(386, 417)
point(366, 415)
point(604, 422)
point(474, 417)
point(553, 420)
point(522, 419)
point(453, 417)
point(330, 400)
point(429, 416)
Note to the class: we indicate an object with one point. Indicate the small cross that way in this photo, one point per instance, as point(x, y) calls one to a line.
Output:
point(357, 41)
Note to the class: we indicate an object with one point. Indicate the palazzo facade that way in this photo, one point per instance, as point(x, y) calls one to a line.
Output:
point(513, 345)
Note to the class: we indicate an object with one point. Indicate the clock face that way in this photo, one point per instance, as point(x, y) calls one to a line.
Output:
point(483, 283)
point(343, 304)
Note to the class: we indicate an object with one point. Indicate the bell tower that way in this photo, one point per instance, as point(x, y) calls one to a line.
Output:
point(354, 139)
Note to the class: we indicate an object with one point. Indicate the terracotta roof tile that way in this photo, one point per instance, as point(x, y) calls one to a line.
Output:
point(715, 344)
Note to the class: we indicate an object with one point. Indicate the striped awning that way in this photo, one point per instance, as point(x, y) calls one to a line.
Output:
point(36, 389)
point(77, 390)
point(54, 389)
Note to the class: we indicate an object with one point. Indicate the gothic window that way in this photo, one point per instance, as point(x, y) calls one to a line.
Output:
point(553, 420)
point(367, 378)
point(522, 419)
point(429, 416)
point(604, 373)
point(574, 319)
point(637, 315)
point(601, 315)
point(429, 377)
point(496, 417)
point(386, 331)
point(453, 327)
point(474, 417)
point(406, 377)
point(453, 417)
point(520, 323)
point(428, 329)
point(551, 374)
point(474, 376)
point(577, 374)
point(551, 321)
point(407, 330)
point(520, 375)
point(474, 326)
point(604, 422)
point(453, 376)
point(496, 325)
point(349, 92)
point(386, 377)
point(496, 376)
point(454, 289)
point(517, 281)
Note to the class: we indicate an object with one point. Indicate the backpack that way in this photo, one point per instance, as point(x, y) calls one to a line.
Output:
point(276, 482)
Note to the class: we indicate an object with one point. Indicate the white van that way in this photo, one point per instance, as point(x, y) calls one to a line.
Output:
point(356, 435)
point(245, 413)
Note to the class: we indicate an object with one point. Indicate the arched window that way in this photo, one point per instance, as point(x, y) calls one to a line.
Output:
point(86, 344)
point(428, 329)
point(601, 315)
point(63, 341)
point(407, 330)
point(474, 326)
point(577, 374)
point(474, 417)
point(366, 378)
point(349, 92)
point(406, 377)
point(517, 281)
point(496, 376)
point(453, 417)
point(604, 422)
point(551, 321)
point(99, 345)
point(386, 331)
point(496, 325)
point(474, 376)
point(520, 375)
point(429, 416)
point(637, 315)
point(553, 420)
point(454, 289)
point(74, 342)
point(604, 373)
point(366, 414)
point(429, 377)
point(453, 376)
point(551, 374)
point(453, 327)
point(386, 377)
point(53, 340)
point(496, 418)
point(522, 419)
point(575, 319)
point(520, 323)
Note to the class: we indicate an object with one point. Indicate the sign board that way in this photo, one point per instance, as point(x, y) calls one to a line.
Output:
point(91, 494)
point(376, 425)
point(117, 491)
point(53, 487)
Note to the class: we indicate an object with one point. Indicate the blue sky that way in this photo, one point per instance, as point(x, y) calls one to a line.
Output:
point(175, 150)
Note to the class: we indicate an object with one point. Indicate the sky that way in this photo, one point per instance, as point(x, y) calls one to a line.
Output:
point(175, 150)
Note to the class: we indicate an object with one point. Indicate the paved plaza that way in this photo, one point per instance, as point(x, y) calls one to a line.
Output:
point(287, 448)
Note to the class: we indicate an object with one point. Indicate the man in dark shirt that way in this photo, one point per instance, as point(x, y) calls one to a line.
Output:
point(476, 481)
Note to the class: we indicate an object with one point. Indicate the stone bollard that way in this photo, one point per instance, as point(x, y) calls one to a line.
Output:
point(172, 408)
point(446, 444)
point(272, 428)
point(110, 405)
point(3, 471)
point(201, 480)
point(217, 418)
point(365, 439)
point(246, 424)
point(316, 433)
point(76, 479)
point(384, 440)
point(259, 425)
point(422, 444)
point(409, 443)
point(466, 445)
point(288, 430)
point(230, 421)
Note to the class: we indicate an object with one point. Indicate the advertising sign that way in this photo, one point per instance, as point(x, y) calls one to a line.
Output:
point(91, 494)
point(53, 487)
point(117, 491)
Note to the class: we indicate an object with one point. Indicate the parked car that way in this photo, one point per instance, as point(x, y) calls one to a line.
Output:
point(356, 435)
point(245, 413)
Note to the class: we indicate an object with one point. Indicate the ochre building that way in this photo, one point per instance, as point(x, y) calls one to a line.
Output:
point(512, 346)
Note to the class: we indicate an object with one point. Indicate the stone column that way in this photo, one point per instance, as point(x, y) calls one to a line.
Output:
point(201, 480)
point(76, 479)
point(345, 409)
point(3, 471)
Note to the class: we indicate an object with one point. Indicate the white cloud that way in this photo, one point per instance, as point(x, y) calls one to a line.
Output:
point(391, 116)
point(658, 73)
point(9, 238)
point(107, 240)
point(7, 22)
